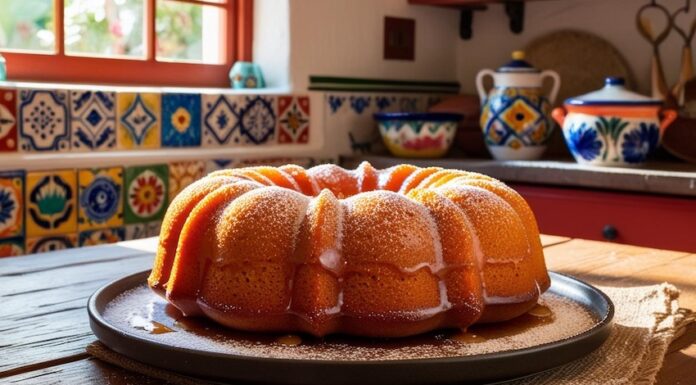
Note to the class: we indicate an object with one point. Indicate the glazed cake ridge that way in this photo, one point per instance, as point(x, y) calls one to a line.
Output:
point(370, 252)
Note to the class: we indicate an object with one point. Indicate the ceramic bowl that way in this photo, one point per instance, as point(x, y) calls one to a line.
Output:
point(418, 135)
point(613, 126)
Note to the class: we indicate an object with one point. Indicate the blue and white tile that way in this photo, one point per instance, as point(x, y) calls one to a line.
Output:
point(181, 120)
point(219, 164)
point(257, 120)
point(93, 120)
point(220, 120)
point(43, 120)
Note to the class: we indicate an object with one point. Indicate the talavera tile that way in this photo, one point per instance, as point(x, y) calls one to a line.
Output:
point(101, 236)
point(93, 120)
point(50, 243)
point(11, 247)
point(8, 120)
point(219, 164)
point(143, 230)
point(146, 193)
point(182, 174)
point(181, 120)
point(11, 204)
point(51, 202)
point(43, 120)
point(138, 120)
point(258, 120)
point(100, 198)
point(293, 119)
point(220, 115)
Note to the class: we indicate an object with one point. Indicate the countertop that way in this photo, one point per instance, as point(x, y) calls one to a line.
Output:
point(668, 178)
point(44, 327)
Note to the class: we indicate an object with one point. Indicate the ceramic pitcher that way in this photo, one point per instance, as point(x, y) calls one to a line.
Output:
point(515, 113)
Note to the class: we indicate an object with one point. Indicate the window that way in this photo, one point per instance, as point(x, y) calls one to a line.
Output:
point(139, 42)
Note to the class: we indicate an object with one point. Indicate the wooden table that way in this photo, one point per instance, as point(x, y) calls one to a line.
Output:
point(44, 326)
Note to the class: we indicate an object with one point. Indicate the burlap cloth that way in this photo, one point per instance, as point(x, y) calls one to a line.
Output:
point(647, 320)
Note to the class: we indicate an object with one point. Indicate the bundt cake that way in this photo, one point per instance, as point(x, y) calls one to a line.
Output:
point(368, 252)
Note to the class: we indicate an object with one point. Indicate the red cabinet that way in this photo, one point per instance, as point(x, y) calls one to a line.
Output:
point(663, 222)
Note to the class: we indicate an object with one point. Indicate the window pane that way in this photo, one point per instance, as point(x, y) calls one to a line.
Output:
point(188, 32)
point(27, 25)
point(104, 27)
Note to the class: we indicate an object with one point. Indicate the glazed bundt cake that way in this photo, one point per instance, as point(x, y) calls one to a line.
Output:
point(368, 252)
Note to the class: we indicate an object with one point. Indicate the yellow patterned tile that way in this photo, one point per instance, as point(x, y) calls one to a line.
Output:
point(51, 202)
point(50, 243)
point(138, 120)
point(182, 174)
point(101, 198)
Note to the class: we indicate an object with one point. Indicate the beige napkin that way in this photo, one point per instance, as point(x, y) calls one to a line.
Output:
point(647, 320)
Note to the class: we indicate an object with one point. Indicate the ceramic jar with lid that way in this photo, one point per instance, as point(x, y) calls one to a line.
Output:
point(516, 113)
point(613, 126)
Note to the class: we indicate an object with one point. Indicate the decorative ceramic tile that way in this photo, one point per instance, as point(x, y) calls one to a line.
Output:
point(43, 120)
point(11, 247)
point(101, 236)
point(182, 174)
point(258, 120)
point(51, 243)
point(146, 193)
point(276, 162)
point(100, 198)
point(134, 231)
point(11, 204)
point(181, 120)
point(220, 114)
point(138, 120)
point(51, 202)
point(350, 116)
point(8, 120)
point(142, 230)
point(219, 164)
point(293, 119)
point(93, 120)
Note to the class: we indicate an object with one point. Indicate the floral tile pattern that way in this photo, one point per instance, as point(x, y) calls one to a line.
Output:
point(138, 120)
point(50, 243)
point(51, 202)
point(100, 198)
point(11, 204)
point(145, 194)
point(182, 174)
point(181, 120)
point(220, 115)
point(11, 247)
point(258, 120)
point(293, 119)
point(8, 120)
point(101, 236)
point(43, 120)
point(93, 120)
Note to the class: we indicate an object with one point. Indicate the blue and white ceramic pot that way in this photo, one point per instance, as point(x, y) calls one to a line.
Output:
point(613, 126)
point(515, 113)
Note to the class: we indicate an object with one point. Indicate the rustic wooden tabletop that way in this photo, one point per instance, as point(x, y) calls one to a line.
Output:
point(44, 327)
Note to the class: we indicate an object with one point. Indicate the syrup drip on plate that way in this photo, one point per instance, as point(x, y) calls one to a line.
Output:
point(289, 340)
point(537, 316)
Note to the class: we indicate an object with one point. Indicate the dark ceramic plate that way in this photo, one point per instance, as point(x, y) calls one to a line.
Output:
point(231, 364)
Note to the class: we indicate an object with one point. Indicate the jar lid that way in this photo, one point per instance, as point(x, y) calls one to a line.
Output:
point(517, 64)
point(613, 93)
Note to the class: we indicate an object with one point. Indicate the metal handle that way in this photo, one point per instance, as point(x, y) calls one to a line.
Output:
point(610, 232)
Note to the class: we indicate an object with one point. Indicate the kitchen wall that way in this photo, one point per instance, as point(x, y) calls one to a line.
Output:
point(345, 38)
point(613, 20)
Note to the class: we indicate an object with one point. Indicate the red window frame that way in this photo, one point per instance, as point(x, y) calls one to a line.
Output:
point(59, 67)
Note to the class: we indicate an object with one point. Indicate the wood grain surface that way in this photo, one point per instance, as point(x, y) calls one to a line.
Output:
point(44, 327)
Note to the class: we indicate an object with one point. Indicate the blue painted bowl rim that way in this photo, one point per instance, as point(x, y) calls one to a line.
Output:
point(431, 116)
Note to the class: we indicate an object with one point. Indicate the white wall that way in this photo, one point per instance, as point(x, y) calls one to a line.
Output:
point(614, 20)
point(345, 38)
point(271, 47)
